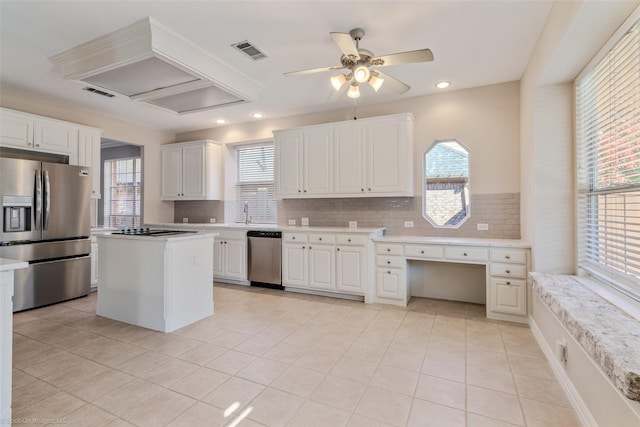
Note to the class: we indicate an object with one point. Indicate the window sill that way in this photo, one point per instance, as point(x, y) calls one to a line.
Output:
point(624, 303)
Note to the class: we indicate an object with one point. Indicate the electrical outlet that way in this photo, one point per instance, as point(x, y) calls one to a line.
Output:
point(408, 224)
point(292, 222)
point(185, 220)
point(304, 222)
point(212, 220)
point(353, 224)
point(483, 227)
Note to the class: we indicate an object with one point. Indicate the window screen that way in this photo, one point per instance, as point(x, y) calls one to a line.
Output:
point(122, 193)
point(255, 186)
point(608, 166)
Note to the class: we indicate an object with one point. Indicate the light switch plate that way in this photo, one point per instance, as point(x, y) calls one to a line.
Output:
point(353, 224)
point(408, 224)
point(483, 227)
point(292, 222)
point(304, 221)
point(185, 220)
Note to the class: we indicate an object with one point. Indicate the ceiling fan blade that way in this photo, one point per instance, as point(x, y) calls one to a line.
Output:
point(346, 44)
point(422, 55)
point(314, 70)
point(393, 83)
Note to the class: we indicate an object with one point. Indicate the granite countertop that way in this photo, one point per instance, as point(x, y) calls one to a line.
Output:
point(608, 335)
point(268, 227)
point(462, 241)
point(160, 238)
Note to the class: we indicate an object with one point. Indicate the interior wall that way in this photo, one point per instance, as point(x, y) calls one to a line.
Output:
point(155, 210)
point(485, 119)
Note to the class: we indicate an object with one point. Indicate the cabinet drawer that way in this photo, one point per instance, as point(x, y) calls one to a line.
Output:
point(466, 253)
point(514, 255)
point(423, 251)
point(508, 270)
point(389, 249)
point(390, 261)
point(294, 237)
point(351, 239)
point(327, 239)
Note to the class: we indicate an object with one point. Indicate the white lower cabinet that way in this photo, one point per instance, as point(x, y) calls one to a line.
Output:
point(508, 296)
point(326, 262)
point(230, 256)
point(94, 262)
point(391, 283)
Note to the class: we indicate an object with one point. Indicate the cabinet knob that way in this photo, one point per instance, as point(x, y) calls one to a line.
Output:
point(509, 283)
point(304, 247)
point(309, 247)
point(388, 249)
point(507, 257)
point(465, 254)
point(299, 191)
point(388, 272)
point(421, 252)
point(37, 145)
point(305, 191)
point(320, 238)
point(293, 237)
point(508, 271)
point(338, 249)
point(348, 240)
point(362, 189)
point(369, 189)
point(388, 262)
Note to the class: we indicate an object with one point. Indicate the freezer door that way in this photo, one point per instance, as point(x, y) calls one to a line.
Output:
point(18, 199)
point(66, 201)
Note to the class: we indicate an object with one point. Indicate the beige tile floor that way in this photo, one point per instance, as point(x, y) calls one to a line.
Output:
point(277, 358)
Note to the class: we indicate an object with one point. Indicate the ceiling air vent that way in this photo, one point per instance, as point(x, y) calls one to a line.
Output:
point(250, 50)
point(99, 92)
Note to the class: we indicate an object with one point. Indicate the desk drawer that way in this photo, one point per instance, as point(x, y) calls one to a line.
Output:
point(514, 255)
point(389, 249)
point(325, 239)
point(351, 239)
point(423, 251)
point(294, 237)
point(508, 270)
point(390, 261)
point(466, 253)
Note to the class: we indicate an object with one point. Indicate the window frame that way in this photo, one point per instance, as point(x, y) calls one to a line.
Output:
point(137, 202)
point(261, 211)
point(618, 285)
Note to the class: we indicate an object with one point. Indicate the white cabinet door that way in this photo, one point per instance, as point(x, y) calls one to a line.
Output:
point(391, 283)
point(317, 161)
point(236, 259)
point(16, 129)
point(508, 296)
point(294, 265)
point(55, 136)
point(385, 157)
point(193, 172)
point(351, 269)
point(322, 267)
point(94, 263)
point(218, 257)
point(288, 163)
point(349, 160)
point(171, 173)
point(89, 155)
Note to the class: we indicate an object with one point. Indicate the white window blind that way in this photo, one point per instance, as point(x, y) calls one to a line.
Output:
point(122, 193)
point(608, 166)
point(255, 185)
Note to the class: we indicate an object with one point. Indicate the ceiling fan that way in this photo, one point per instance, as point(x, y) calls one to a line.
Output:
point(363, 65)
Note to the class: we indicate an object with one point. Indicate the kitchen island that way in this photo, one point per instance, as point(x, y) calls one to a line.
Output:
point(161, 281)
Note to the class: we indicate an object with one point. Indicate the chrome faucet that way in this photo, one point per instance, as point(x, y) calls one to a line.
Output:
point(246, 212)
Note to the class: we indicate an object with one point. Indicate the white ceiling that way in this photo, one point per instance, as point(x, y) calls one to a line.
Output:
point(475, 43)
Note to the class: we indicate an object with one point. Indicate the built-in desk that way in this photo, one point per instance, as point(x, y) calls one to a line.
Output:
point(502, 264)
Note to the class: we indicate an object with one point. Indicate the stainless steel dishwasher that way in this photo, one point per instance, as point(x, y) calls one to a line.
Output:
point(265, 258)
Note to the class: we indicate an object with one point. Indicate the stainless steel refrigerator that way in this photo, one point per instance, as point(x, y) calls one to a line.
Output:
point(45, 219)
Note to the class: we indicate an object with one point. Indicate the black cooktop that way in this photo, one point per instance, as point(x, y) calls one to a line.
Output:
point(149, 232)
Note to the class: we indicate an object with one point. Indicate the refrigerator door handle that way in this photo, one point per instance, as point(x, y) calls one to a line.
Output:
point(38, 197)
point(47, 200)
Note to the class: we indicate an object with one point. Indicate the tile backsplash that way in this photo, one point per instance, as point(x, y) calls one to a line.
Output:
point(500, 211)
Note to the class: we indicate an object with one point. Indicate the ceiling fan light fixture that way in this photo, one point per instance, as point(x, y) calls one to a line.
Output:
point(354, 91)
point(375, 81)
point(338, 81)
point(361, 73)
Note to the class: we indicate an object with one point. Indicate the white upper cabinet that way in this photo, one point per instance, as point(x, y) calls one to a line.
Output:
point(89, 155)
point(362, 158)
point(304, 162)
point(192, 171)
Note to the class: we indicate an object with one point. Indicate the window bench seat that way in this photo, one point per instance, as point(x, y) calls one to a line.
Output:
point(609, 336)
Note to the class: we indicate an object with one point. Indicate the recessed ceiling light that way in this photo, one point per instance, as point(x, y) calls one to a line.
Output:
point(443, 85)
point(221, 121)
point(257, 115)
